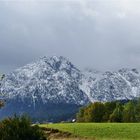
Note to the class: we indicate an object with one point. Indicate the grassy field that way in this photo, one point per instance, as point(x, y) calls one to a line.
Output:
point(101, 131)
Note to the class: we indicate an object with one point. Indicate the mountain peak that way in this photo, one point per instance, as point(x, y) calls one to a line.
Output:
point(52, 79)
point(57, 62)
point(54, 59)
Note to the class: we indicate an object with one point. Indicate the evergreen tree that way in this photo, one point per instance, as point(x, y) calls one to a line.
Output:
point(80, 115)
point(129, 112)
point(97, 111)
point(117, 114)
point(109, 108)
point(137, 111)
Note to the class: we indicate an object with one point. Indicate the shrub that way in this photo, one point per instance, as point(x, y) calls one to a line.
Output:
point(20, 128)
point(1, 103)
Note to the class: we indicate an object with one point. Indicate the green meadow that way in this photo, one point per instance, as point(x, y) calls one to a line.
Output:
point(100, 131)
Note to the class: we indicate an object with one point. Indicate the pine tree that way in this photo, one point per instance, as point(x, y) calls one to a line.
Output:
point(97, 111)
point(117, 115)
point(80, 115)
point(109, 108)
point(137, 111)
point(129, 112)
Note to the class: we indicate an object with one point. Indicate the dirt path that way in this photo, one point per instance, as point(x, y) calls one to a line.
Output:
point(55, 134)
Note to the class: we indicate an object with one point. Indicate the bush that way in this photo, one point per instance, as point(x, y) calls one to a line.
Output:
point(20, 128)
point(1, 103)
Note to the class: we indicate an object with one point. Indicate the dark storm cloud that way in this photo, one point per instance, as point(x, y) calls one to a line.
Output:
point(102, 34)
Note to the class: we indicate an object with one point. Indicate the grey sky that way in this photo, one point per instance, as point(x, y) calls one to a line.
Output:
point(101, 34)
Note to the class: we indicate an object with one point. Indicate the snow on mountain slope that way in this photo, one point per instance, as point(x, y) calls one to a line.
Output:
point(108, 86)
point(52, 79)
point(57, 80)
point(54, 89)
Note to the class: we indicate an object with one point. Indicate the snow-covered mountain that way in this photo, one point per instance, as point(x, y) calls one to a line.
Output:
point(54, 83)
point(47, 88)
point(123, 84)
point(52, 79)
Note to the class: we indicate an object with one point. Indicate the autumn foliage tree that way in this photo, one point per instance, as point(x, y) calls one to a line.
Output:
point(110, 112)
point(91, 113)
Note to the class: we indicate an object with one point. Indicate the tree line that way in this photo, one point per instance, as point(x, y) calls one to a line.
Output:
point(116, 111)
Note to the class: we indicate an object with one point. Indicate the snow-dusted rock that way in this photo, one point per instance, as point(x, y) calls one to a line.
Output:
point(109, 86)
point(54, 83)
point(52, 79)
point(57, 80)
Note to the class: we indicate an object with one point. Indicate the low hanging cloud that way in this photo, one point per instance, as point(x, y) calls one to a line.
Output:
point(101, 34)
